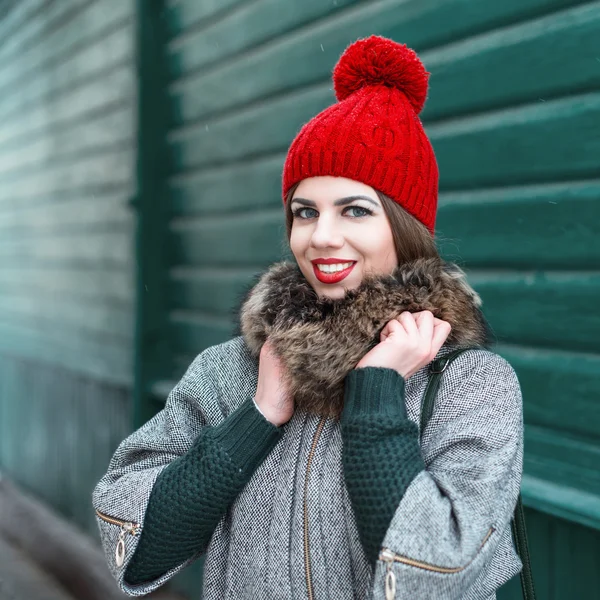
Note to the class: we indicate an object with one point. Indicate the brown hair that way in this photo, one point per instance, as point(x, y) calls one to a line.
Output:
point(412, 239)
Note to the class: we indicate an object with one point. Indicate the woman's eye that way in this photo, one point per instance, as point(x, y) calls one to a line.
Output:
point(302, 213)
point(357, 211)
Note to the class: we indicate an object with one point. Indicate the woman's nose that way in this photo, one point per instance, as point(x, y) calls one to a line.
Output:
point(327, 234)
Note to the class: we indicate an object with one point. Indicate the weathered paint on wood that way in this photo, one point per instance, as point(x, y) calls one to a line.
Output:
point(58, 431)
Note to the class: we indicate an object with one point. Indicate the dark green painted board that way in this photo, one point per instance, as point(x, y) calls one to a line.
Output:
point(58, 216)
point(37, 308)
point(253, 24)
point(565, 559)
point(104, 358)
point(548, 141)
point(187, 14)
point(266, 129)
point(192, 333)
point(16, 18)
point(560, 389)
point(563, 458)
point(255, 183)
point(33, 30)
point(84, 283)
point(52, 76)
point(308, 56)
point(524, 63)
point(68, 427)
point(108, 247)
point(215, 291)
point(80, 102)
point(259, 239)
point(554, 226)
point(552, 310)
point(107, 169)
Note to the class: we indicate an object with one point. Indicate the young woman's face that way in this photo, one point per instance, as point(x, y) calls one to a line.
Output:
point(340, 233)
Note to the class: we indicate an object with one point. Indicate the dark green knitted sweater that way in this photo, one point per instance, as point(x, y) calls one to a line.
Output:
point(381, 456)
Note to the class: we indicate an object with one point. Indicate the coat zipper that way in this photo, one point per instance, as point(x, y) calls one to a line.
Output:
point(309, 584)
point(126, 527)
point(389, 557)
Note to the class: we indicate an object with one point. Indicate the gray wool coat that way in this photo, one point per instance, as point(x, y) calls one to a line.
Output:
point(449, 538)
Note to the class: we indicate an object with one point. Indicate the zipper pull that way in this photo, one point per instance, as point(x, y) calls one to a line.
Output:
point(390, 578)
point(120, 551)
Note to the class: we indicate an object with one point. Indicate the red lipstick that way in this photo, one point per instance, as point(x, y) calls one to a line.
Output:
point(331, 277)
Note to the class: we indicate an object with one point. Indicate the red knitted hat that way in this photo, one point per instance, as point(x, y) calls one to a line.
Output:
point(373, 134)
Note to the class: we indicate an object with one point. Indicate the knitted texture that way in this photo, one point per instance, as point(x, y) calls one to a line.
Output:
point(192, 494)
point(381, 455)
point(373, 134)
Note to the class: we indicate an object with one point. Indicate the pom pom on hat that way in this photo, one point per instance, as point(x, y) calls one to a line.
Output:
point(381, 61)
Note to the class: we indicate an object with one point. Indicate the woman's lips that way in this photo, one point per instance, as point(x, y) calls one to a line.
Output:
point(332, 277)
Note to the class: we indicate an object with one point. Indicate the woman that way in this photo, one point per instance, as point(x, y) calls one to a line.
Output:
point(291, 455)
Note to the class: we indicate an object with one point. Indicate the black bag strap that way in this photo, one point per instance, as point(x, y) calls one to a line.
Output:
point(436, 369)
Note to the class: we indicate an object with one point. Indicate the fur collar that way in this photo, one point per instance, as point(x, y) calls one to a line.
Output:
point(320, 340)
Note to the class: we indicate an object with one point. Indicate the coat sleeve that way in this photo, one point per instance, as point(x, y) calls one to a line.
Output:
point(454, 513)
point(122, 495)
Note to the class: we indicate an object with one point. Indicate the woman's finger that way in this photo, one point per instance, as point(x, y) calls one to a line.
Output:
point(424, 323)
point(408, 322)
point(441, 331)
point(391, 327)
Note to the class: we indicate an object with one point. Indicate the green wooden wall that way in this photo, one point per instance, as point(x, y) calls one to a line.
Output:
point(67, 171)
point(514, 116)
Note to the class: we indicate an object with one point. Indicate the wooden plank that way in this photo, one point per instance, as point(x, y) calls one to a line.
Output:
point(553, 226)
point(191, 332)
point(264, 130)
point(255, 239)
point(215, 291)
point(90, 173)
point(256, 183)
point(306, 57)
point(112, 363)
point(17, 16)
point(116, 87)
point(47, 312)
point(568, 460)
point(251, 24)
point(547, 309)
point(96, 20)
point(560, 389)
point(115, 128)
point(181, 15)
point(86, 212)
point(35, 29)
point(110, 51)
point(85, 282)
point(576, 559)
point(537, 60)
point(555, 141)
point(104, 248)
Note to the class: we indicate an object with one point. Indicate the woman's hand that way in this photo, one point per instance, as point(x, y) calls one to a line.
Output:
point(408, 343)
point(272, 395)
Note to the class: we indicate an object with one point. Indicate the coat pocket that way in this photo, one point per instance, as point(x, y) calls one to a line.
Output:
point(127, 528)
point(389, 558)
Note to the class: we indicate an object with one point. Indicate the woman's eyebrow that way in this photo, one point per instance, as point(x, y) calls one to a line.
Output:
point(344, 201)
point(340, 202)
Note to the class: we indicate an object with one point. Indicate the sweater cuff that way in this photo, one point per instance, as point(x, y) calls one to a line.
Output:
point(247, 436)
point(374, 390)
